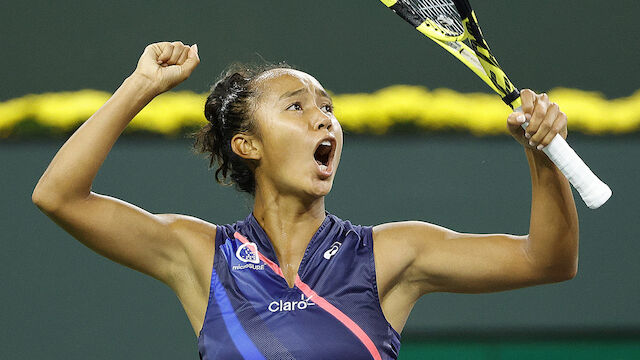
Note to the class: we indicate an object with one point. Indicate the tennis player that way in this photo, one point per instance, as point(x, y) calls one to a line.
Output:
point(292, 281)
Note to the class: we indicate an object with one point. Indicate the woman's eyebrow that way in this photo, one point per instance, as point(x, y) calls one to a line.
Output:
point(301, 90)
point(292, 93)
point(323, 93)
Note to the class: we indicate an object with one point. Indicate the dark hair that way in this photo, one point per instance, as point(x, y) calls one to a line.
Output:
point(228, 110)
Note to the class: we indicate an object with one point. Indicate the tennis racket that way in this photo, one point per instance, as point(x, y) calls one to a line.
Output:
point(453, 25)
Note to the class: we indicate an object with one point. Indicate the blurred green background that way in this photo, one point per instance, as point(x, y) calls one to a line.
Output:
point(350, 46)
point(61, 301)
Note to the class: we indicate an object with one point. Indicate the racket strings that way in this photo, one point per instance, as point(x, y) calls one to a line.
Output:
point(441, 12)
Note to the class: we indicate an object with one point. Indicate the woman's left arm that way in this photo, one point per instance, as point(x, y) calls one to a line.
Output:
point(429, 258)
point(552, 244)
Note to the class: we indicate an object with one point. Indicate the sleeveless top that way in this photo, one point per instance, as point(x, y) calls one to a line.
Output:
point(331, 312)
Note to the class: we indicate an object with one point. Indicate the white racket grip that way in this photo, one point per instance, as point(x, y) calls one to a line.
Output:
point(593, 191)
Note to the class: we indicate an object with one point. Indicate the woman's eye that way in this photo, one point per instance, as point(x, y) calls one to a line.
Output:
point(295, 106)
point(328, 108)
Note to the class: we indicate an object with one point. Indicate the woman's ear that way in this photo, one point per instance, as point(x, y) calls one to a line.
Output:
point(246, 146)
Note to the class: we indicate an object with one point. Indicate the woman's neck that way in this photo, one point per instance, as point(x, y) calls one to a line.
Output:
point(290, 224)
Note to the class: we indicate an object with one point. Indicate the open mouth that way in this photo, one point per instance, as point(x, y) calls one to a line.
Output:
point(324, 154)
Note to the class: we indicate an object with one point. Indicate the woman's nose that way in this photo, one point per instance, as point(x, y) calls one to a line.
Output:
point(323, 121)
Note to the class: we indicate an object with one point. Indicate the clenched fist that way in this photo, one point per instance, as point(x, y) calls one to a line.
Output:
point(544, 117)
point(167, 64)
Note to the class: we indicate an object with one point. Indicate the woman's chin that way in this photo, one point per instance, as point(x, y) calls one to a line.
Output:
point(321, 189)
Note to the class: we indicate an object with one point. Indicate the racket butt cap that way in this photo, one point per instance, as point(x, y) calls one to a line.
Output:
point(599, 197)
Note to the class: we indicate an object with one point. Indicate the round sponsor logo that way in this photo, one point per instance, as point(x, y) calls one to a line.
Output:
point(248, 252)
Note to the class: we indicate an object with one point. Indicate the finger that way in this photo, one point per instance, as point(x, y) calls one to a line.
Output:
point(183, 56)
point(192, 61)
point(157, 48)
point(546, 126)
point(528, 99)
point(514, 124)
point(539, 112)
point(516, 118)
point(559, 124)
point(543, 98)
point(175, 52)
point(167, 50)
point(151, 52)
point(175, 56)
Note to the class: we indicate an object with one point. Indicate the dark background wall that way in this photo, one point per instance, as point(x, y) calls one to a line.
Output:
point(350, 46)
point(60, 300)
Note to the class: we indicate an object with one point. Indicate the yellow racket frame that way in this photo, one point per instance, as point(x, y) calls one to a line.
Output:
point(482, 62)
point(479, 59)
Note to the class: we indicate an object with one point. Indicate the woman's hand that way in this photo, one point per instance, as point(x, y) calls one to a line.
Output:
point(164, 65)
point(544, 117)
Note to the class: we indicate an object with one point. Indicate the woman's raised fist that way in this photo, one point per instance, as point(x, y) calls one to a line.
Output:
point(167, 64)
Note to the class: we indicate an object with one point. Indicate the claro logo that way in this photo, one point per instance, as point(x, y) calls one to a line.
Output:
point(278, 306)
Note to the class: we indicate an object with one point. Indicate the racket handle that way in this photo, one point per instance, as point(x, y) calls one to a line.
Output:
point(593, 191)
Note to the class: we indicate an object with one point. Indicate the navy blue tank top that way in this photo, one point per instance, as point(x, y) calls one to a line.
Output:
point(332, 311)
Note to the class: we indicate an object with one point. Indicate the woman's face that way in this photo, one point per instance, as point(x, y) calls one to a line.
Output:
point(300, 139)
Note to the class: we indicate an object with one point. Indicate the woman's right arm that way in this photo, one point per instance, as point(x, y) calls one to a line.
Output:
point(152, 244)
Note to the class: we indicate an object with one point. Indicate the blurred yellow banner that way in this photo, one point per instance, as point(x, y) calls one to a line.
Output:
point(399, 106)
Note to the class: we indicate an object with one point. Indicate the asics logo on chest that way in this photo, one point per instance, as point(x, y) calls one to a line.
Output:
point(332, 250)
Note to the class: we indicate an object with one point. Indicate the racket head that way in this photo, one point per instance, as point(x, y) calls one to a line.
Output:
point(437, 19)
point(453, 25)
point(477, 57)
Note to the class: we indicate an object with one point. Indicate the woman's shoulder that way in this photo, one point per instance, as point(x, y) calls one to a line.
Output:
point(191, 227)
point(364, 232)
point(195, 235)
point(240, 225)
